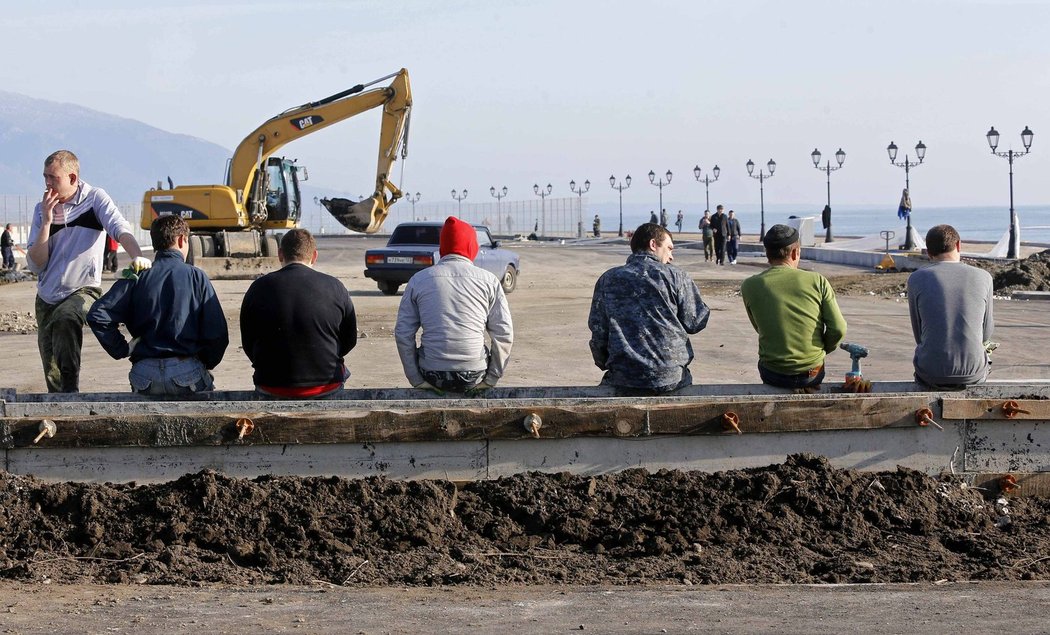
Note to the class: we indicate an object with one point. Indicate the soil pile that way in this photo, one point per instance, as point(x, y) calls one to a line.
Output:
point(1030, 274)
point(800, 522)
point(17, 322)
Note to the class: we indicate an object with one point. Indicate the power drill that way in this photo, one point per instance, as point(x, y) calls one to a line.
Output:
point(854, 380)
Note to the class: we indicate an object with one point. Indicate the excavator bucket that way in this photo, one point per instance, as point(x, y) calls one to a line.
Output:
point(365, 216)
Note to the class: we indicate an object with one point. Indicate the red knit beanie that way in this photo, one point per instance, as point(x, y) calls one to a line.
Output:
point(458, 237)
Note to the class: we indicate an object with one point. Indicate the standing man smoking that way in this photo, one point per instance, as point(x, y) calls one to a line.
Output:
point(64, 250)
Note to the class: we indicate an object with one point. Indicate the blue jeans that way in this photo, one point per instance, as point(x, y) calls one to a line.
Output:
point(731, 248)
point(170, 376)
point(9, 257)
point(808, 379)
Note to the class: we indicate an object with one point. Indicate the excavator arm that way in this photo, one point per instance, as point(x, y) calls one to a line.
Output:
point(365, 216)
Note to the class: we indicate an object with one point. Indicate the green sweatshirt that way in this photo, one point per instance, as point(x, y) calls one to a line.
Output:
point(796, 316)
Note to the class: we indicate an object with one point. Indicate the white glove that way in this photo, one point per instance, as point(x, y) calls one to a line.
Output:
point(140, 264)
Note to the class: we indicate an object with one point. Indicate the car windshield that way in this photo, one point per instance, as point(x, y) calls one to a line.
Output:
point(415, 235)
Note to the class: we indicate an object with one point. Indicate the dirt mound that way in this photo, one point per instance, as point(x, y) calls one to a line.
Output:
point(892, 284)
point(1030, 274)
point(802, 521)
point(17, 322)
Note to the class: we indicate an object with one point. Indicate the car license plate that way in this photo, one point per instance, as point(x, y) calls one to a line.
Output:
point(399, 260)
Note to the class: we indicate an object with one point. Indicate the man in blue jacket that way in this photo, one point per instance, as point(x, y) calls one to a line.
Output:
point(173, 315)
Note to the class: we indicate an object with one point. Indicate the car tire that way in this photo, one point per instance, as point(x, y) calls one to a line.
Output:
point(388, 288)
point(510, 279)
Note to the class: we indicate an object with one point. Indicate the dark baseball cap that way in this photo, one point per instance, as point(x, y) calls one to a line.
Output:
point(780, 236)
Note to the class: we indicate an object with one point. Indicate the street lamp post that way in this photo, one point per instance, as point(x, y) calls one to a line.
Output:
point(498, 195)
point(771, 166)
point(1009, 155)
point(579, 193)
point(543, 194)
point(408, 197)
point(459, 199)
point(320, 216)
point(620, 188)
point(840, 157)
point(920, 151)
point(707, 181)
point(660, 183)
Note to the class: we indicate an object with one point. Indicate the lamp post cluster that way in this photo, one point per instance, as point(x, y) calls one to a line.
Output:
point(920, 152)
point(761, 176)
point(620, 188)
point(660, 183)
point(707, 181)
point(459, 199)
point(840, 157)
point(1009, 155)
point(408, 197)
point(543, 194)
point(499, 196)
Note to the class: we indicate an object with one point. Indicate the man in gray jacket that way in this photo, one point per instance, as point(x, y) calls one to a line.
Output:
point(951, 315)
point(455, 304)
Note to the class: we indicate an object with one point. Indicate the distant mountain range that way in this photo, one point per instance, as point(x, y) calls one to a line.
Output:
point(123, 156)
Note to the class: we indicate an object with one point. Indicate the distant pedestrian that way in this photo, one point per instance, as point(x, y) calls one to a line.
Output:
point(7, 246)
point(732, 237)
point(709, 236)
point(653, 218)
point(109, 255)
point(597, 226)
point(680, 220)
point(720, 229)
point(663, 218)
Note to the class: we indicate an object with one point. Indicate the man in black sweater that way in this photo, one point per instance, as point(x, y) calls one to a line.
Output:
point(297, 324)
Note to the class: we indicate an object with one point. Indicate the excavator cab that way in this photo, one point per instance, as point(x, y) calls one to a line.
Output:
point(283, 197)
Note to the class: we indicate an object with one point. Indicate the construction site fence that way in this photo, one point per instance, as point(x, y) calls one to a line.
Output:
point(547, 218)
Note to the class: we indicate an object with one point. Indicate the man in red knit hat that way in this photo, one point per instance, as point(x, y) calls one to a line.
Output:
point(455, 304)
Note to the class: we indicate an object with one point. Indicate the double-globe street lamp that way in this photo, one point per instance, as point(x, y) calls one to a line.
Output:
point(660, 183)
point(543, 194)
point(579, 192)
point(620, 188)
point(840, 157)
point(707, 181)
point(499, 195)
point(459, 199)
point(920, 152)
point(761, 176)
point(408, 197)
point(993, 142)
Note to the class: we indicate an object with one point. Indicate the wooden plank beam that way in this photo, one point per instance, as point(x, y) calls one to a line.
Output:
point(377, 426)
point(992, 409)
point(1027, 483)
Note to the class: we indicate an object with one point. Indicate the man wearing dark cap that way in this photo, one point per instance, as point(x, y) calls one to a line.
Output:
point(642, 315)
point(455, 304)
point(795, 314)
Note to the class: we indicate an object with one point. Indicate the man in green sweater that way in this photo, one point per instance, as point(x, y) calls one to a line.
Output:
point(795, 314)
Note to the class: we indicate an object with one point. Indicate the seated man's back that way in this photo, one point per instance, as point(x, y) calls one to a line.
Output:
point(297, 324)
point(951, 314)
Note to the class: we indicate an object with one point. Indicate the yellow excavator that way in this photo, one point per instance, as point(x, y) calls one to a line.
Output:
point(228, 223)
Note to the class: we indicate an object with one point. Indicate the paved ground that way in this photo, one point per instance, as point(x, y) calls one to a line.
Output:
point(968, 608)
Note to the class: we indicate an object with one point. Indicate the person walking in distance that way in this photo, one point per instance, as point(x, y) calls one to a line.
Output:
point(732, 237)
point(7, 247)
point(679, 221)
point(709, 236)
point(720, 231)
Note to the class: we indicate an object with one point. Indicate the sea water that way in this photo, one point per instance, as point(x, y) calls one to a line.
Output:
point(983, 224)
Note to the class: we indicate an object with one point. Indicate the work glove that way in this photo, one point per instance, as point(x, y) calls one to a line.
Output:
point(856, 385)
point(434, 389)
point(137, 266)
point(480, 388)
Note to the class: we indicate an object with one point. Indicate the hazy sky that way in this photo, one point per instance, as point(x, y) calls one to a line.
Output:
point(524, 91)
